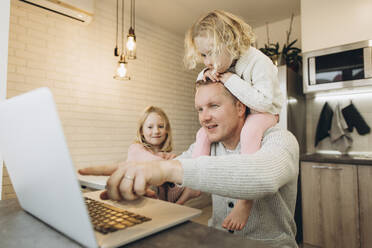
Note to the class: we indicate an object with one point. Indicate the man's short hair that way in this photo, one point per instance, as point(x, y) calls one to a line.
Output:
point(208, 82)
point(226, 91)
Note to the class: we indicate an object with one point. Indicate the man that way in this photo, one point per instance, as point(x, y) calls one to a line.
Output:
point(269, 177)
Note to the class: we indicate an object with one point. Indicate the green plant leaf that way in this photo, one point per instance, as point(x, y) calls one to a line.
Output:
point(292, 43)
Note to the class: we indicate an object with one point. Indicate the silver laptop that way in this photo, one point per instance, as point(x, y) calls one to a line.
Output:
point(39, 164)
point(93, 182)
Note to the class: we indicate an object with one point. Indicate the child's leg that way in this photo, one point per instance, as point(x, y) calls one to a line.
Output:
point(250, 140)
point(202, 144)
point(202, 147)
point(238, 217)
point(252, 132)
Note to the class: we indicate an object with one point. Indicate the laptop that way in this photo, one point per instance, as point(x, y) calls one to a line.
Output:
point(44, 178)
point(93, 182)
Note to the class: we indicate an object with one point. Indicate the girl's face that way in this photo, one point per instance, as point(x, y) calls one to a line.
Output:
point(220, 62)
point(154, 130)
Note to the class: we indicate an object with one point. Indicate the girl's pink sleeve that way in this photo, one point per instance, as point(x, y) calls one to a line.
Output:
point(137, 153)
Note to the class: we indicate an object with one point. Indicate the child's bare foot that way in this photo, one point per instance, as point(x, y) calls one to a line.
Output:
point(187, 194)
point(238, 217)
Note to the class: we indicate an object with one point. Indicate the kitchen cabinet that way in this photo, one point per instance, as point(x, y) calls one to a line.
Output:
point(365, 205)
point(330, 205)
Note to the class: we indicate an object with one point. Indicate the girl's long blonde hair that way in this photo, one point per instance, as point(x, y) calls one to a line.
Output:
point(225, 29)
point(140, 139)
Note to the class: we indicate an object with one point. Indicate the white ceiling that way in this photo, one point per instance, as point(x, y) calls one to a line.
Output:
point(178, 15)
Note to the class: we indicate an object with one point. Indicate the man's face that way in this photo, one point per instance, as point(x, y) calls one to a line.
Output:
point(220, 116)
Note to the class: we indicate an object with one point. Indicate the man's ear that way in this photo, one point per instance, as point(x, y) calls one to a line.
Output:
point(241, 108)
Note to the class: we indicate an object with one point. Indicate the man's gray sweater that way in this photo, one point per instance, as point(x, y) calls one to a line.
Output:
point(268, 177)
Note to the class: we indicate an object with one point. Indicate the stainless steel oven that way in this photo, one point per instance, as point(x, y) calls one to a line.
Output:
point(338, 67)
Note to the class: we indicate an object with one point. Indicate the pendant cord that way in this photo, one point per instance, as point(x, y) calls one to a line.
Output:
point(133, 14)
point(122, 27)
point(117, 26)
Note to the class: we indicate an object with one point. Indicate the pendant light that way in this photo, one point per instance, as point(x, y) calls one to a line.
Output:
point(122, 70)
point(131, 38)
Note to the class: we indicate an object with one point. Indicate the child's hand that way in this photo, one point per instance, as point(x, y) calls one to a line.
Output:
point(225, 76)
point(212, 76)
point(187, 194)
point(166, 155)
point(150, 193)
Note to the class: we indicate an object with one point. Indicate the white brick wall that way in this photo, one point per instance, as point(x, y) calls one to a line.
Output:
point(99, 114)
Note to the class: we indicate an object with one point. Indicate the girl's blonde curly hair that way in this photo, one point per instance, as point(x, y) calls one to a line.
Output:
point(225, 29)
point(166, 146)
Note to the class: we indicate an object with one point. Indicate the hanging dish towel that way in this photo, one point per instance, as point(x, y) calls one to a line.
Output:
point(354, 119)
point(324, 123)
point(340, 139)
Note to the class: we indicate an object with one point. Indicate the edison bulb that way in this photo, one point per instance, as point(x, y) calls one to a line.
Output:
point(131, 43)
point(122, 70)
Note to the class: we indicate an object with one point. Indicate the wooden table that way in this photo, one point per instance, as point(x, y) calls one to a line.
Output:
point(20, 229)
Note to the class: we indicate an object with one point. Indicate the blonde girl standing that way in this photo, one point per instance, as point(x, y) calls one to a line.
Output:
point(222, 41)
point(154, 142)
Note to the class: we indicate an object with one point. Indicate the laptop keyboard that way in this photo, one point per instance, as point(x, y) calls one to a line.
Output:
point(106, 218)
